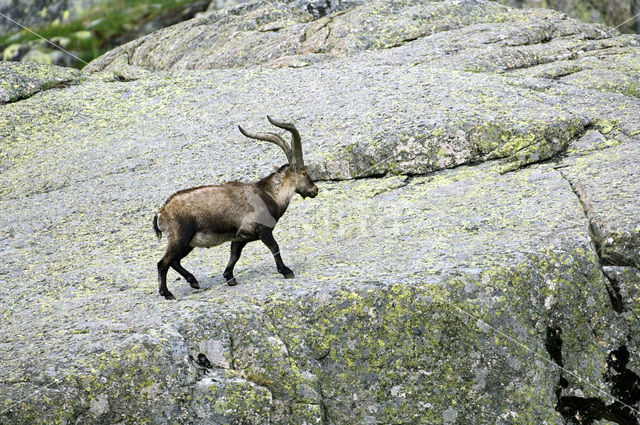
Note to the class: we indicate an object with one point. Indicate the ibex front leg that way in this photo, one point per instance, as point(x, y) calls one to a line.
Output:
point(266, 236)
point(236, 250)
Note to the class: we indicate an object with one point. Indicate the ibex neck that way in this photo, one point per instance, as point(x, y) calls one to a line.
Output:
point(280, 188)
point(283, 194)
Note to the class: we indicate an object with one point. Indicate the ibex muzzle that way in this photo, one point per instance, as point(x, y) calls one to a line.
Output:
point(233, 212)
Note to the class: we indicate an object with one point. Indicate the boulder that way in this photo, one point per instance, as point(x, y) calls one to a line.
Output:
point(472, 255)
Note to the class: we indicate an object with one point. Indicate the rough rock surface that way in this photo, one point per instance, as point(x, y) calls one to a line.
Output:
point(616, 13)
point(477, 226)
point(21, 81)
point(281, 33)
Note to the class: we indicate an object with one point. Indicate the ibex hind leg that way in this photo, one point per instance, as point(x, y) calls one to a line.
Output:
point(174, 252)
point(184, 272)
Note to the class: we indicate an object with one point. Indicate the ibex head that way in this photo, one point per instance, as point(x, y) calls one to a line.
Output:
point(296, 172)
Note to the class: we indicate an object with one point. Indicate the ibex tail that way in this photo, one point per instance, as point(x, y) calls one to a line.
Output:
point(156, 228)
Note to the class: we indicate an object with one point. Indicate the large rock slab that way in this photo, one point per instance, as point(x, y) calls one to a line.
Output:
point(545, 62)
point(292, 33)
point(471, 256)
point(449, 260)
point(391, 118)
point(272, 31)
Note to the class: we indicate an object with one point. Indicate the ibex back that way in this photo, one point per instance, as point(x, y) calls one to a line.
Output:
point(233, 212)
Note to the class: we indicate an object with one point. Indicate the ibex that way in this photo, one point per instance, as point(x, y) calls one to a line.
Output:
point(235, 212)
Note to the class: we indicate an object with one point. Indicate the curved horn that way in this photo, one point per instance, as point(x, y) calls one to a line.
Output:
point(296, 144)
point(270, 137)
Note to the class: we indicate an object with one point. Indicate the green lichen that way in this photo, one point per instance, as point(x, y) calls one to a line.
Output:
point(241, 400)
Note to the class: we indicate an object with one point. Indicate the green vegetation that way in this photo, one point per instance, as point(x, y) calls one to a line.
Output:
point(99, 28)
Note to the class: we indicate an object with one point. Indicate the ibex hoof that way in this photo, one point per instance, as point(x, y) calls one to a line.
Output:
point(168, 295)
point(287, 273)
point(232, 281)
point(194, 283)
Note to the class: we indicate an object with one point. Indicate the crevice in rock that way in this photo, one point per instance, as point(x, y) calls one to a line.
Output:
point(617, 302)
point(389, 164)
point(625, 384)
point(271, 29)
point(571, 55)
point(618, 291)
point(625, 387)
point(389, 171)
point(552, 147)
point(44, 87)
point(203, 361)
point(611, 259)
point(513, 164)
point(201, 364)
point(547, 38)
point(327, 36)
point(530, 62)
point(232, 352)
point(579, 192)
point(615, 295)
point(16, 381)
point(566, 73)
point(407, 181)
point(405, 41)
point(553, 344)
point(357, 177)
point(119, 77)
point(323, 405)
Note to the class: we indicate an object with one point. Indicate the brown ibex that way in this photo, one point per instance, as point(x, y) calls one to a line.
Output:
point(235, 212)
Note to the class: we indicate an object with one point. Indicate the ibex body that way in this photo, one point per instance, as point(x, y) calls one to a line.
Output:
point(233, 212)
